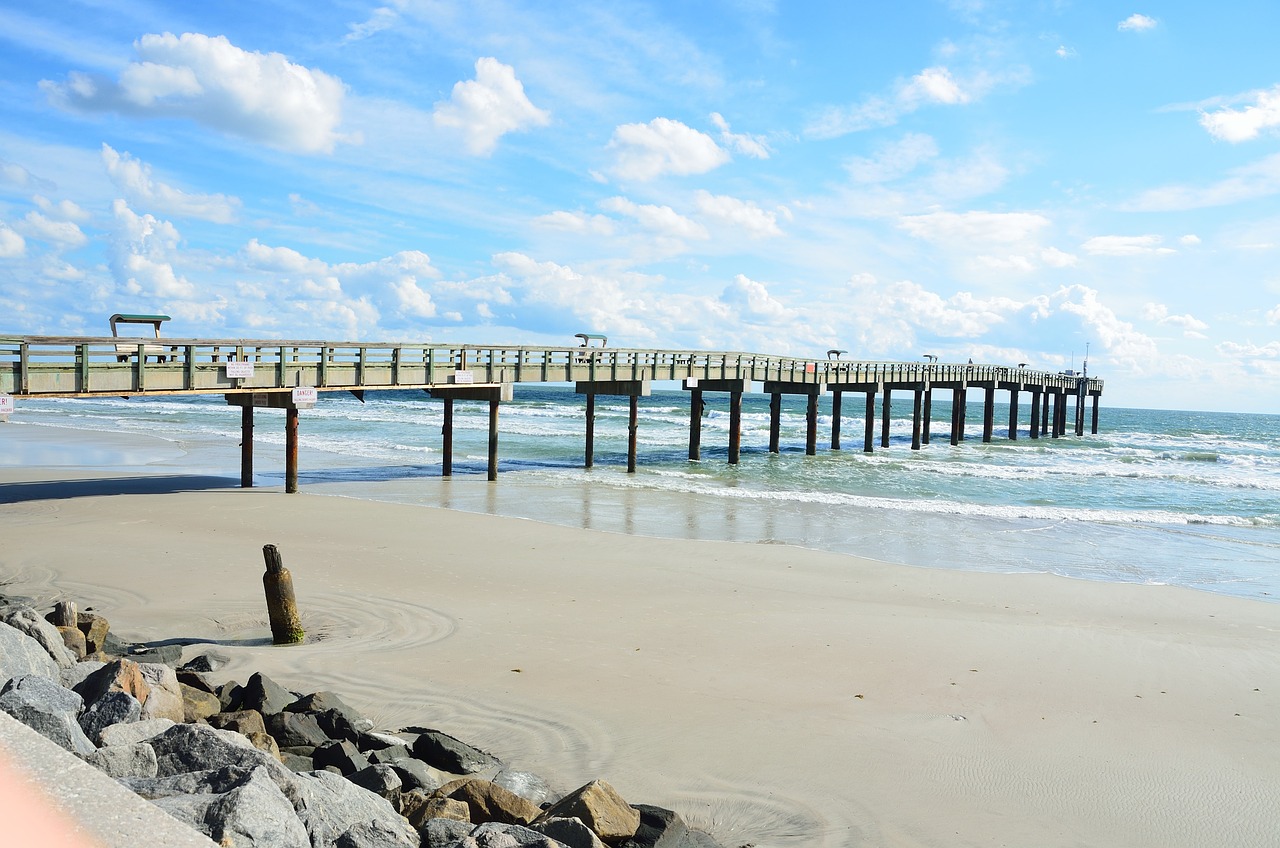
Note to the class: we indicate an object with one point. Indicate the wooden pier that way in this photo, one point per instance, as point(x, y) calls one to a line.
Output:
point(292, 375)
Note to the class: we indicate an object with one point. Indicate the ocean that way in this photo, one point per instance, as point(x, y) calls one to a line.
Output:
point(1159, 497)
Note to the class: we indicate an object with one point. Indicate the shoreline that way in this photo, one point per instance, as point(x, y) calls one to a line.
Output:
point(770, 694)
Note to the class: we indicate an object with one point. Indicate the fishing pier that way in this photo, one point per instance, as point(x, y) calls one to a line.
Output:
point(292, 376)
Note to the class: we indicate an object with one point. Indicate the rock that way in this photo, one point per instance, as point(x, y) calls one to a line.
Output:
point(28, 621)
point(572, 832)
point(139, 731)
point(452, 755)
point(342, 755)
point(294, 729)
point(266, 696)
point(116, 676)
point(264, 742)
point(600, 808)
point(415, 774)
point(241, 721)
point(112, 708)
point(187, 748)
point(371, 835)
point(111, 646)
point(234, 806)
point(197, 704)
point(165, 700)
point(94, 627)
point(20, 656)
point(208, 661)
point(500, 835)
point(295, 762)
point(420, 809)
point(74, 640)
point(380, 780)
point(387, 755)
point(74, 676)
point(373, 740)
point(320, 702)
point(338, 725)
point(231, 694)
point(48, 709)
point(490, 802)
point(170, 655)
point(527, 785)
point(442, 832)
point(659, 828)
point(136, 760)
point(196, 680)
point(330, 806)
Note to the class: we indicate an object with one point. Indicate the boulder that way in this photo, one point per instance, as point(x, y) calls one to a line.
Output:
point(170, 655)
point(241, 721)
point(28, 621)
point(112, 708)
point(659, 828)
point(116, 676)
point(374, 740)
point(197, 704)
point(372, 835)
point(234, 806)
point(48, 709)
point(338, 725)
point(331, 806)
point(442, 832)
point(266, 696)
point(527, 785)
point(136, 760)
point(320, 702)
point(600, 808)
point(452, 755)
point(165, 700)
point(341, 755)
point(138, 731)
point(572, 832)
point(208, 661)
point(380, 780)
point(74, 640)
point(415, 774)
point(20, 656)
point(292, 730)
point(489, 802)
point(264, 742)
point(231, 694)
point(196, 680)
point(74, 676)
point(387, 755)
point(296, 762)
point(186, 748)
point(500, 835)
point(94, 627)
point(420, 808)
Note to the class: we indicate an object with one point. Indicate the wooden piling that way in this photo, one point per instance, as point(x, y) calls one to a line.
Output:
point(811, 425)
point(1013, 414)
point(884, 417)
point(964, 410)
point(988, 412)
point(591, 430)
point(64, 614)
point(493, 439)
point(282, 607)
point(957, 416)
point(775, 422)
point(1044, 414)
point(1094, 428)
point(633, 425)
point(928, 415)
point(835, 419)
point(915, 418)
point(1035, 413)
point(291, 449)
point(246, 447)
point(446, 466)
point(695, 425)
point(735, 427)
point(870, 430)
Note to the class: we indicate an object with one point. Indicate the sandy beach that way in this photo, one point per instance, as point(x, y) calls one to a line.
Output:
point(773, 695)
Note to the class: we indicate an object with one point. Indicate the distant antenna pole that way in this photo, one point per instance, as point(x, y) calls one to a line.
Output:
point(1085, 365)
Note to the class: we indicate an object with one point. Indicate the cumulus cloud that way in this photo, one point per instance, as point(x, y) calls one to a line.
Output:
point(134, 179)
point(1237, 125)
point(488, 107)
point(748, 145)
point(742, 215)
point(663, 146)
point(12, 245)
point(1058, 258)
point(1191, 327)
point(259, 96)
point(751, 302)
point(1147, 245)
point(1136, 23)
point(1189, 240)
point(142, 248)
point(662, 220)
point(64, 234)
point(63, 210)
point(894, 160)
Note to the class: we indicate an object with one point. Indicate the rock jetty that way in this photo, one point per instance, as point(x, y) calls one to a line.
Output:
point(257, 765)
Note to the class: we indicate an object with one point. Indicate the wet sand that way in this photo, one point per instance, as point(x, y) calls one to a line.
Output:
point(773, 695)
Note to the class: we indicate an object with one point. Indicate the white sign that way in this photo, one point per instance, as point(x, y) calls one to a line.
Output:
point(691, 383)
point(239, 370)
point(6, 404)
point(463, 377)
point(304, 396)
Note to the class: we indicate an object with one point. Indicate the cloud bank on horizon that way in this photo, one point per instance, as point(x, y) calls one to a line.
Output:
point(965, 179)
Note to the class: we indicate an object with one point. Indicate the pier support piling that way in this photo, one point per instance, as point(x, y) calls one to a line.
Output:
point(493, 440)
point(1044, 414)
point(291, 450)
point(775, 422)
point(735, 388)
point(246, 447)
point(735, 427)
point(811, 426)
point(446, 465)
point(915, 419)
point(870, 429)
point(589, 447)
point(1013, 415)
point(695, 425)
point(884, 417)
point(928, 415)
point(835, 419)
point(1094, 428)
point(1035, 414)
point(633, 424)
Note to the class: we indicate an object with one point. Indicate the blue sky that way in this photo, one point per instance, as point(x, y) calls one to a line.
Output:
point(1002, 181)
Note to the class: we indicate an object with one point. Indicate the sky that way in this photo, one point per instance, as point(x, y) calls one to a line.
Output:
point(1007, 182)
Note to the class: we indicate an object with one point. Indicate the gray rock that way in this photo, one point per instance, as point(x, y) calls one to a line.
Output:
point(331, 806)
point(659, 828)
point(452, 755)
point(571, 832)
point(497, 835)
point(137, 760)
point(170, 655)
point(386, 755)
point(296, 762)
point(601, 808)
point(382, 781)
point(138, 731)
point(20, 655)
point(30, 622)
point(342, 755)
point(208, 661)
point(375, 740)
point(48, 709)
point(266, 696)
point(112, 708)
point(525, 784)
point(415, 774)
point(231, 694)
point(74, 676)
point(165, 700)
point(197, 680)
point(116, 676)
point(292, 730)
point(371, 835)
point(322, 702)
point(338, 725)
point(187, 748)
point(241, 721)
point(443, 833)
point(233, 806)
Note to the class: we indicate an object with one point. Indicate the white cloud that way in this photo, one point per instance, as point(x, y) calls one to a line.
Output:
point(382, 18)
point(1236, 125)
point(1126, 246)
point(894, 160)
point(934, 85)
point(141, 257)
point(751, 302)
point(489, 107)
point(1273, 315)
point(260, 96)
point(1136, 23)
point(663, 146)
point(1065, 52)
point(1189, 240)
point(1124, 345)
point(576, 222)
point(662, 220)
point(62, 233)
point(1191, 327)
point(133, 177)
point(974, 228)
point(412, 299)
point(740, 214)
point(1257, 179)
point(1058, 258)
point(12, 245)
point(63, 210)
point(748, 145)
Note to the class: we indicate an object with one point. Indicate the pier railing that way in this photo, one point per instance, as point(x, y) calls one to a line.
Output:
point(49, 366)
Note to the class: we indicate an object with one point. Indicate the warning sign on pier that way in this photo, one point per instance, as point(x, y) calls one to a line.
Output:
point(304, 397)
point(6, 404)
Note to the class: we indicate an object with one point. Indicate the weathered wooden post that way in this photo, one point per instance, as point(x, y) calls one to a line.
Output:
point(493, 440)
point(282, 608)
point(735, 427)
point(633, 424)
point(928, 414)
point(446, 463)
point(884, 417)
point(695, 424)
point(246, 446)
point(811, 425)
point(916, 409)
point(590, 459)
point(869, 423)
point(775, 422)
point(835, 420)
point(291, 450)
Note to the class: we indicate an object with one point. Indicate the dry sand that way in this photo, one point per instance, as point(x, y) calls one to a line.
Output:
point(775, 696)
